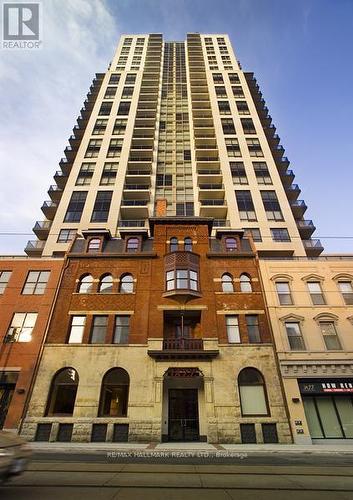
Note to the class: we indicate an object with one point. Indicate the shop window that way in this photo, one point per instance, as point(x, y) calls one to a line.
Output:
point(106, 284)
point(227, 283)
point(62, 394)
point(85, 284)
point(114, 394)
point(245, 283)
point(126, 284)
point(252, 392)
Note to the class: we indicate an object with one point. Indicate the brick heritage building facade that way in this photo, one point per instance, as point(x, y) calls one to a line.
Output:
point(160, 338)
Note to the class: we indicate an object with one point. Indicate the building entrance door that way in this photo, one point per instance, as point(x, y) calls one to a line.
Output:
point(183, 417)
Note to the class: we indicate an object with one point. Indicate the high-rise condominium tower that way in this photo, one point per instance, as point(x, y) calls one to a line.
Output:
point(175, 129)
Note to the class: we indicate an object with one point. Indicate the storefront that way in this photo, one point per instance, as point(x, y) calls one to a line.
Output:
point(328, 406)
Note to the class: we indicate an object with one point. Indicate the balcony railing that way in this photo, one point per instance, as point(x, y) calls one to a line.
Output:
point(211, 186)
point(212, 202)
point(131, 223)
point(134, 203)
point(316, 244)
point(221, 223)
point(136, 187)
point(186, 344)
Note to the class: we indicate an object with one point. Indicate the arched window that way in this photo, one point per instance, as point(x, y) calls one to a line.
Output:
point(132, 245)
point(174, 244)
point(252, 392)
point(231, 244)
point(86, 284)
point(114, 394)
point(188, 244)
point(94, 245)
point(106, 284)
point(126, 284)
point(245, 283)
point(62, 394)
point(227, 283)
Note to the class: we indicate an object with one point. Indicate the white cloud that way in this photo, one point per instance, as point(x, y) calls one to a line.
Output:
point(41, 93)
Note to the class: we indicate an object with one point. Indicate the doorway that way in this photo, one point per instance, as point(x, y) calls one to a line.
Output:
point(183, 415)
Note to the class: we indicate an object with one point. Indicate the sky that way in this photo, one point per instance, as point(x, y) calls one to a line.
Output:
point(299, 51)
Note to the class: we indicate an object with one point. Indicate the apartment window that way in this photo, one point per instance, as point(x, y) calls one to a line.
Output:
point(187, 244)
point(99, 127)
point(77, 329)
point(132, 245)
point(242, 107)
point(126, 284)
point(228, 126)
point(294, 335)
point(232, 325)
point(185, 209)
point(124, 108)
point(85, 174)
point(245, 205)
point(346, 289)
point(93, 148)
point(66, 235)
point(237, 91)
point(36, 283)
point(187, 155)
point(94, 245)
point(99, 329)
point(252, 323)
point(121, 330)
point(105, 108)
point(252, 392)
point(130, 79)
point(271, 205)
point(330, 336)
point(230, 244)
point(76, 206)
point(102, 206)
point(115, 147)
point(280, 234)
point(234, 78)
point(262, 173)
point(254, 147)
point(224, 107)
point(4, 279)
point(127, 92)
point(114, 79)
point(184, 279)
point(119, 127)
point(248, 126)
point(218, 78)
point(85, 284)
point(21, 327)
point(233, 148)
point(238, 172)
point(164, 180)
point(109, 174)
point(221, 91)
point(106, 284)
point(227, 283)
point(254, 232)
point(110, 93)
point(245, 283)
point(284, 293)
point(173, 245)
point(317, 297)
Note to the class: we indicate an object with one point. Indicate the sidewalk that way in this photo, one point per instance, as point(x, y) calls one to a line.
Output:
point(171, 449)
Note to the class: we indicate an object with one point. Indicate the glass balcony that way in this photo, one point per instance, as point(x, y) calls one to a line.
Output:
point(305, 228)
point(298, 208)
point(41, 229)
point(49, 209)
point(34, 248)
point(55, 192)
point(313, 247)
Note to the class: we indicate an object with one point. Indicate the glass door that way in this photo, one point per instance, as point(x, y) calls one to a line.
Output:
point(183, 415)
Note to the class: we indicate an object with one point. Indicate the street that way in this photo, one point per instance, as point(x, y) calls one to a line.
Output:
point(254, 475)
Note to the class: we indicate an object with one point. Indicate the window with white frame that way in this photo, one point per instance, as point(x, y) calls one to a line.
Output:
point(316, 294)
point(329, 333)
point(284, 293)
point(76, 329)
point(21, 327)
point(346, 289)
point(4, 279)
point(36, 283)
point(294, 335)
point(232, 325)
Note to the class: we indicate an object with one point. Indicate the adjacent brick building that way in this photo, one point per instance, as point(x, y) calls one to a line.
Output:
point(27, 291)
point(160, 337)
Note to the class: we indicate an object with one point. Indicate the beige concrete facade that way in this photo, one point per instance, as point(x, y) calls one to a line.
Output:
point(200, 98)
point(318, 361)
point(218, 396)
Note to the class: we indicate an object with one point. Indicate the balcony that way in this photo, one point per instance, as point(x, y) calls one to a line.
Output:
point(131, 223)
point(142, 177)
point(55, 193)
point(134, 209)
point(65, 165)
point(209, 176)
point(282, 164)
point(298, 208)
point(221, 223)
point(60, 178)
point(213, 208)
point(305, 228)
point(34, 248)
point(49, 209)
point(293, 191)
point(41, 229)
point(214, 190)
point(287, 178)
point(137, 191)
point(313, 248)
